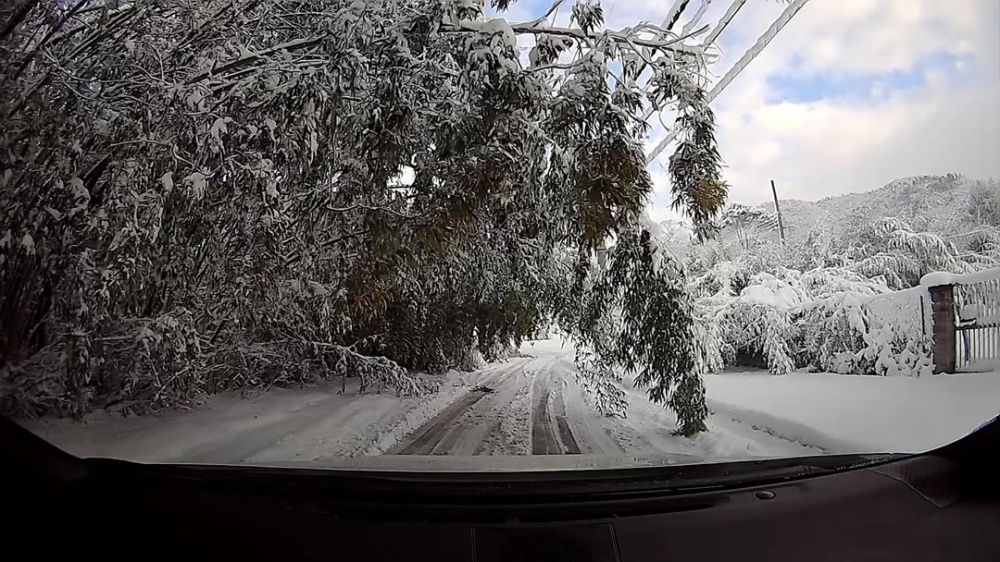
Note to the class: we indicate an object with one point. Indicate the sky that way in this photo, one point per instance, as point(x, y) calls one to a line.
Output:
point(851, 95)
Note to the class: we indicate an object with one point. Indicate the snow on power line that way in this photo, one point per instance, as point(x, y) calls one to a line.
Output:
point(762, 42)
point(710, 39)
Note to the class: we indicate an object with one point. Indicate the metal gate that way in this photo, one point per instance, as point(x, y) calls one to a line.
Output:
point(977, 307)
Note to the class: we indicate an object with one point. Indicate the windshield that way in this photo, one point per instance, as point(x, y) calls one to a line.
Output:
point(467, 235)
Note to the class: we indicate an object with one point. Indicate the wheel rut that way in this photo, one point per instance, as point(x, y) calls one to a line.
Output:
point(549, 409)
point(429, 437)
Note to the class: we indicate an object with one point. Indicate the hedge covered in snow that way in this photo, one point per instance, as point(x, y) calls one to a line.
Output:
point(822, 319)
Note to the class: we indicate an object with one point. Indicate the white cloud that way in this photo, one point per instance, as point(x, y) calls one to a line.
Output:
point(846, 143)
point(834, 145)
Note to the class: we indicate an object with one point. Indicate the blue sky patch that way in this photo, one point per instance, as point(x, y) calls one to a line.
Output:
point(803, 88)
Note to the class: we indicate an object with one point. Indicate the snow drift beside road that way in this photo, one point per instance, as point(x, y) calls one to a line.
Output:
point(853, 413)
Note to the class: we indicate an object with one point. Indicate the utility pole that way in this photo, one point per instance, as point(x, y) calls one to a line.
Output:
point(777, 209)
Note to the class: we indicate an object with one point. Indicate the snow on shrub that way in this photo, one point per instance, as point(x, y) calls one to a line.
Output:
point(841, 334)
point(754, 323)
point(819, 319)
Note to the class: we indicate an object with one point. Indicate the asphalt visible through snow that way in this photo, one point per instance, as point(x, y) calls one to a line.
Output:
point(535, 406)
point(476, 417)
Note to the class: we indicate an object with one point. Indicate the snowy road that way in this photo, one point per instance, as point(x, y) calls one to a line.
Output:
point(534, 406)
point(530, 412)
point(526, 406)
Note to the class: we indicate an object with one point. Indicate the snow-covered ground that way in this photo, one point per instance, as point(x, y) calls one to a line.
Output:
point(519, 413)
point(845, 413)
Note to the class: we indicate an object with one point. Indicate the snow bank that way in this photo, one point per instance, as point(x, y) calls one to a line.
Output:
point(277, 425)
point(942, 278)
point(848, 414)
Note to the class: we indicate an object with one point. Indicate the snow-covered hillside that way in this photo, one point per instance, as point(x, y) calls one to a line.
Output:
point(946, 205)
point(939, 204)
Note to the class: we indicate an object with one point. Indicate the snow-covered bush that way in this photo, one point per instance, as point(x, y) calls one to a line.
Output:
point(787, 319)
point(752, 326)
point(745, 313)
point(848, 264)
point(839, 333)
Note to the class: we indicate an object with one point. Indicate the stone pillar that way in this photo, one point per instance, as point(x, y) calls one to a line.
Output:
point(943, 327)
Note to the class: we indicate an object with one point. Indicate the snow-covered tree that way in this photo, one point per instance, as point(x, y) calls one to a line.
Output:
point(747, 223)
point(984, 203)
point(892, 248)
point(213, 189)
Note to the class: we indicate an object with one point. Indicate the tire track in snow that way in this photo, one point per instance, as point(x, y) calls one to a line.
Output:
point(569, 442)
point(509, 421)
point(473, 428)
point(429, 436)
point(542, 440)
point(546, 438)
point(586, 424)
point(647, 430)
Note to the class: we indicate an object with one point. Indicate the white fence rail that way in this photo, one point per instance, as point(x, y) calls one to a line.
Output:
point(977, 305)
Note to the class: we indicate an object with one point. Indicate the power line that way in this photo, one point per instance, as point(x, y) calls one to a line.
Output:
point(689, 26)
point(721, 26)
point(762, 42)
point(727, 18)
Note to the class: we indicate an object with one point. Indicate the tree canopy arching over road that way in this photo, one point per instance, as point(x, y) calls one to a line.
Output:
point(205, 195)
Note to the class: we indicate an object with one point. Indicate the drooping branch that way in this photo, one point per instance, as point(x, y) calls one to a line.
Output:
point(762, 42)
point(251, 56)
